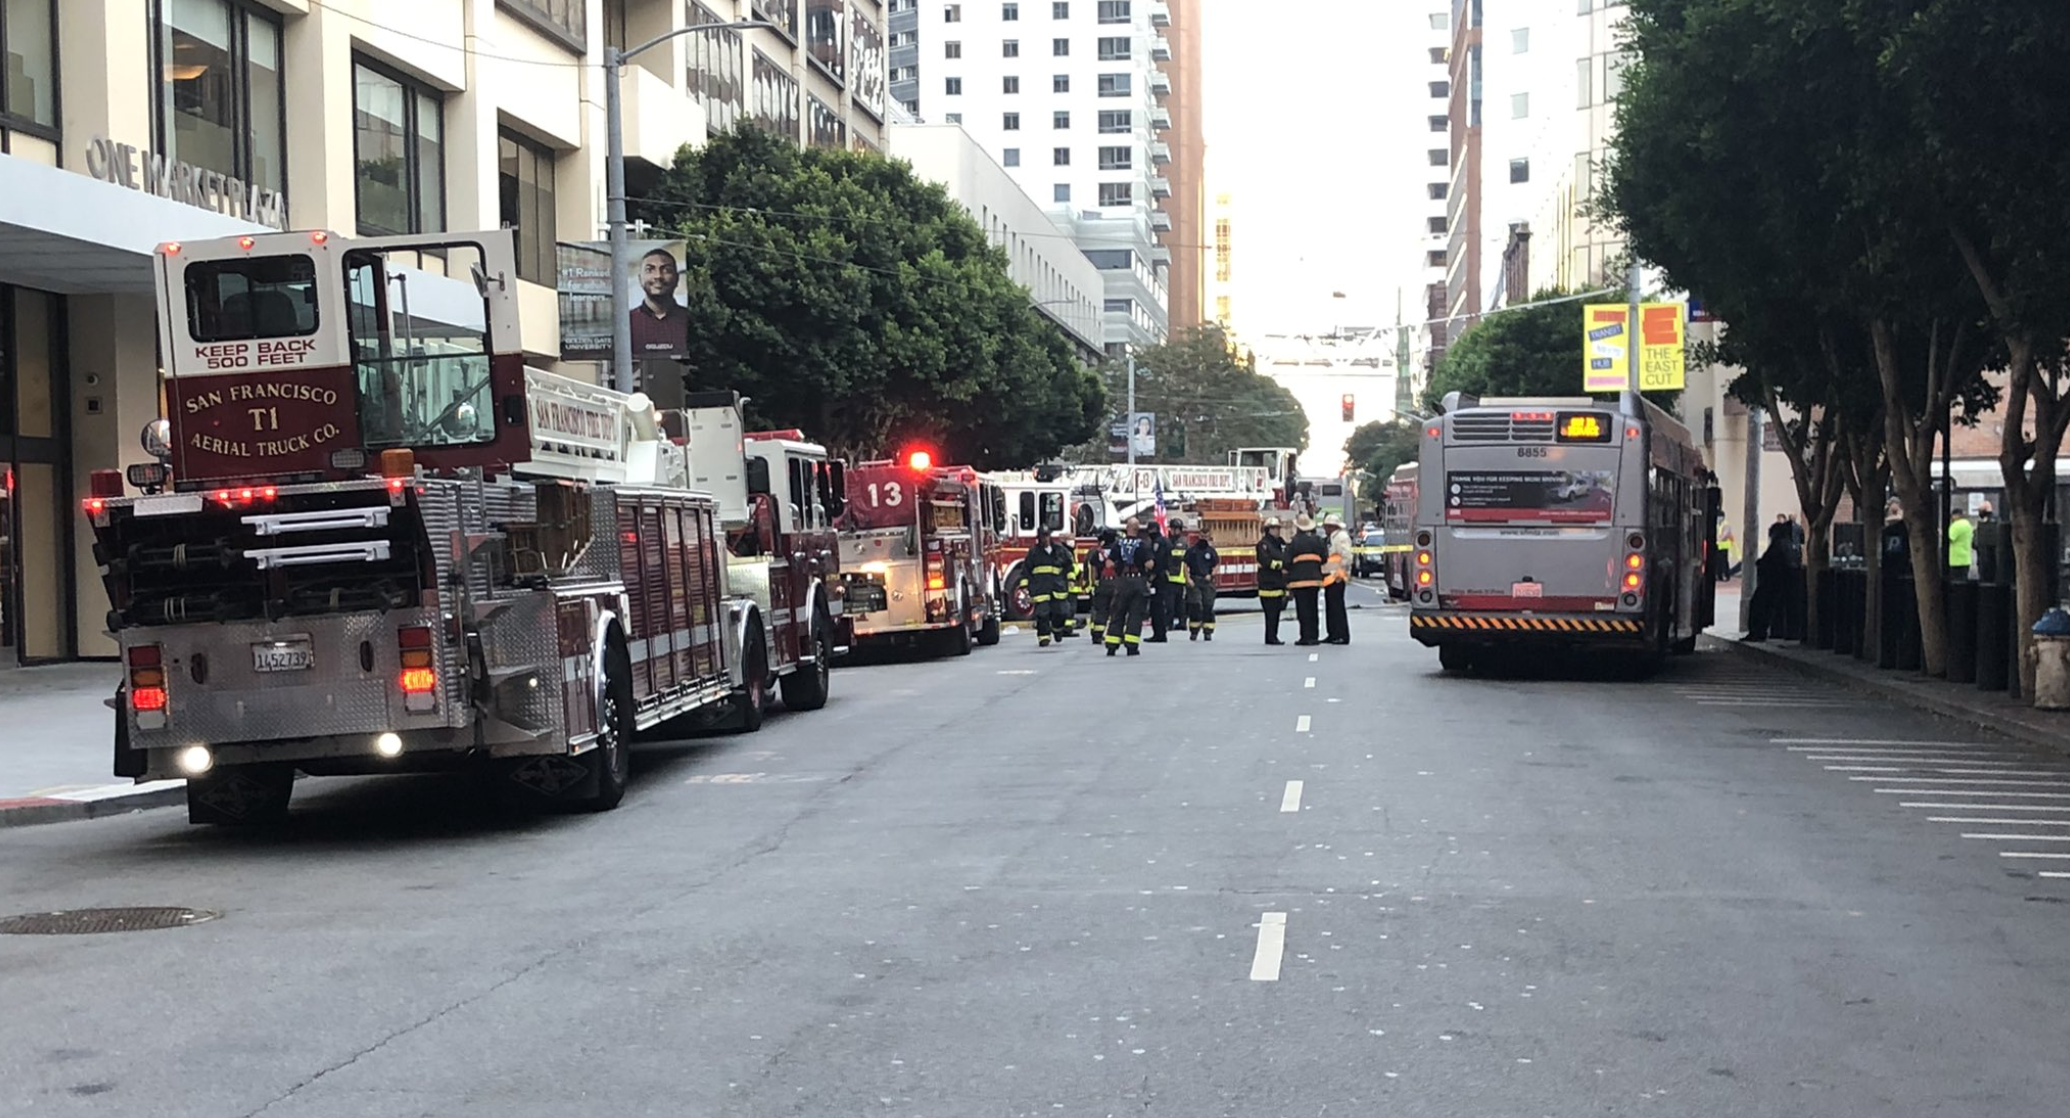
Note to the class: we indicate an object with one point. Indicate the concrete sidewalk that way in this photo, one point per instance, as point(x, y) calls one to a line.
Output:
point(56, 737)
point(1991, 710)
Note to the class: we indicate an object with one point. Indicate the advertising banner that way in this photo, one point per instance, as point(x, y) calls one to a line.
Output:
point(660, 319)
point(1606, 344)
point(1560, 496)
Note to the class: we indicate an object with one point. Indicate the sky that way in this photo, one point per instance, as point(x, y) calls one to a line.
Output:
point(1315, 115)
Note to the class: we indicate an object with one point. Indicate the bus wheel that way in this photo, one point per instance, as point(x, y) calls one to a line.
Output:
point(1685, 646)
point(1453, 658)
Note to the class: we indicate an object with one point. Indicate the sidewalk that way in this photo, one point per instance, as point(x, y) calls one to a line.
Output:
point(1991, 710)
point(56, 743)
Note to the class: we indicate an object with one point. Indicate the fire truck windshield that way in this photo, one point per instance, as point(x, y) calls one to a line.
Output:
point(420, 347)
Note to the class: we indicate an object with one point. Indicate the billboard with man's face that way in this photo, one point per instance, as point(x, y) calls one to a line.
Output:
point(660, 315)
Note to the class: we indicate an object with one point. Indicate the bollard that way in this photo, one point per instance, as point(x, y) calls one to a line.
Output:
point(2051, 655)
point(1994, 623)
point(1824, 627)
point(1907, 615)
point(1962, 632)
point(1890, 607)
point(1843, 614)
point(1858, 613)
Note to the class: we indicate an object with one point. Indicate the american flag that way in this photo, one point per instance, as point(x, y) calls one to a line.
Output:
point(1157, 493)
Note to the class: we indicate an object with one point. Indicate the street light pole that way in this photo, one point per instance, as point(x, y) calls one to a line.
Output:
point(614, 189)
point(1129, 421)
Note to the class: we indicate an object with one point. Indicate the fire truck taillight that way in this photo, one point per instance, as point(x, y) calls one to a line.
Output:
point(419, 679)
point(147, 695)
point(104, 483)
point(246, 243)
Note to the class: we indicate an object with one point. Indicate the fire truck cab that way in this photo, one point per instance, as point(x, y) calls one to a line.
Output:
point(919, 555)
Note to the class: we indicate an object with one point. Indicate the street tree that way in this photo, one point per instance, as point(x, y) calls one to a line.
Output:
point(1220, 401)
point(1532, 350)
point(845, 296)
point(1377, 448)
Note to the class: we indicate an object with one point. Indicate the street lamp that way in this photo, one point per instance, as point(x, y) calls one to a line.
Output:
point(614, 190)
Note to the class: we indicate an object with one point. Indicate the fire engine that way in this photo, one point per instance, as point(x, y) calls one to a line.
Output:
point(919, 554)
point(1035, 500)
point(374, 541)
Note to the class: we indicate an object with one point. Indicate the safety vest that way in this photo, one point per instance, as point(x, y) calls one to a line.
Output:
point(1175, 560)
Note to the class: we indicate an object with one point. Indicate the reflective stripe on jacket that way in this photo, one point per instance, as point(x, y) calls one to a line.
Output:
point(1305, 561)
point(1337, 568)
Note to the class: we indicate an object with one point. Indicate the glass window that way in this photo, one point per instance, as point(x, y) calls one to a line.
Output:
point(1061, 83)
point(826, 39)
point(1440, 21)
point(1439, 156)
point(1060, 48)
point(1117, 121)
point(1115, 85)
point(954, 118)
point(952, 49)
point(1010, 121)
point(1117, 193)
point(773, 98)
point(1115, 48)
point(1010, 48)
point(952, 13)
point(1114, 11)
point(1519, 106)
point(1060, 9)
point(1438, 190)
point(1061, 192)
point(1010, 84)
point(1520, 40)
point(1117, 158)
point(253, 297)
point(1440, 90)
point(1437, 225)
point(1060, 119)
point(1584, 82)
point(1520, 170)
point(1613, 75)
point(952, 86)
point(1437, 56)
point(566, 20)
point(525, 182)
point(1060, 157)
point(1439, 123)
point(1122, 306)
point(219, 100)
point(29, 49)
point(398, 153)
point(1009, 12)
point(717, 64)
point(1011, 157)
point(420, 347)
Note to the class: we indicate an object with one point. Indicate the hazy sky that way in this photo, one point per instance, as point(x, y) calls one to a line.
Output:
point(1316, 125)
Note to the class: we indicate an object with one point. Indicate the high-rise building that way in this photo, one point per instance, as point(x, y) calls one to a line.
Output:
point(1462, 193)
point(1435, 237)
point(1221, 284)
point(1067, 96)
point(1181, 149)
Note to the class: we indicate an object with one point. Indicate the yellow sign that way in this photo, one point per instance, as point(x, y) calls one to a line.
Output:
point(1606, 343)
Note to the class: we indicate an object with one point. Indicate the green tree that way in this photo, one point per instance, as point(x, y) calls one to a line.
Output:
point(1528, 351)
point(848, 298)
point(1376, 449)
point(1218, 399)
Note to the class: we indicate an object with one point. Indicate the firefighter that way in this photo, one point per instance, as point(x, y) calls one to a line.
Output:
point(1158, 608)
point(1336, 581)
point(1201, 560)
point(1050, 567)
point(1170, 601)
point(1272, 578)
point(1305, 557)
point(1130, 562)
point(1102, 584)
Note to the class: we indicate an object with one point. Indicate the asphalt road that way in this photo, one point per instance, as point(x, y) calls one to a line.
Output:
point(972, 888)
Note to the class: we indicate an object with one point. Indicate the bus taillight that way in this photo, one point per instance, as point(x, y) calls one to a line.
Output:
point(1633, 562)
point(1632, 581)
point(1423, 558)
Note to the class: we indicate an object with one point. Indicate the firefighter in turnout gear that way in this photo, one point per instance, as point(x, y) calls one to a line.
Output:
point(1336, 580)
point(1050, 567)
point(1130, 561)
point(1272, 578)
point(1201, 561)
point(1166, 600)
point(1305, 558)
point(1102, 583)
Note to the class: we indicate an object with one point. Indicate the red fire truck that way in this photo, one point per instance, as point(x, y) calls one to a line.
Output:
point(919, 554)
point(374, 541)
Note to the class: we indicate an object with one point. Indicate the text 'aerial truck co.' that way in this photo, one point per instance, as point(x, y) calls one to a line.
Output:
point(374, 541)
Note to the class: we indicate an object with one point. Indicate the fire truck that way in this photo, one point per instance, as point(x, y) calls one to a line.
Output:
point(1036, 500)
point(919, 555)
point(374, 541)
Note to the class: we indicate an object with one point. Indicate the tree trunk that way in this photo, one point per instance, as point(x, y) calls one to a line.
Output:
point(1908, 448)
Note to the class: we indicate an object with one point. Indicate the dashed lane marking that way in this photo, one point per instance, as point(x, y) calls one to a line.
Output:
point(1997, 837)
point(1985, 807)
point(2030, 854)
point(1291, 800)
point(1874, 741)
point(1945, 780)
point(1301, 724)
point(1272, 946)
point(1968, 792)
point(1976, 822)
point(1309, 682)
point(1314, 656)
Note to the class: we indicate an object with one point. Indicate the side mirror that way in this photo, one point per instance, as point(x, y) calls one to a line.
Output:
point(758, 476)
point(157, 438)
point(482, 281)
point(837, 474)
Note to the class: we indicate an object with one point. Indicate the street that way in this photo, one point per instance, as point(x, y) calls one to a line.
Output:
point(1219, 879)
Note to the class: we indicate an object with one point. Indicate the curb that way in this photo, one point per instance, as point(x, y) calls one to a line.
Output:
point(1920, 698)
point(91, 803)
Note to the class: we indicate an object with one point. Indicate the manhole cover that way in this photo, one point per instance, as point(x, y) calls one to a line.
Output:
point(90, 921)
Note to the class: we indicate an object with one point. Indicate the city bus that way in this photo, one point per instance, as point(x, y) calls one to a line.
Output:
point(1560, 524)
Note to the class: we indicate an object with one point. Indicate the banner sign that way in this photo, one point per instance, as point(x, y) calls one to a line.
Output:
point(1562, 496)
point(1606, 346)
point(660, 321)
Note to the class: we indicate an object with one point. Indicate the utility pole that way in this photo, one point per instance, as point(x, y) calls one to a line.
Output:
point(1750, 534)
point(1128, 424)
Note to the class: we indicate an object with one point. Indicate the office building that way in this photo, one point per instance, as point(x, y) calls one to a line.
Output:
point(1434, 238)
point(1180, 151)
point(127, 123)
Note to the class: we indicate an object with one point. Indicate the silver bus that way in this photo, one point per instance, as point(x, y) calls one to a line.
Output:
point(1553, 523)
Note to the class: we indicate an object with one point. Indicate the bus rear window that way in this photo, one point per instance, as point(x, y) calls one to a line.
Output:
point(251, 298)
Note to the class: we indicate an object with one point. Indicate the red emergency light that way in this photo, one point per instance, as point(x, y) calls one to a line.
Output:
point(919, 460)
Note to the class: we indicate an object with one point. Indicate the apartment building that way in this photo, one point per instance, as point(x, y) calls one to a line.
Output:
point(1068, 97)
point(126, 123)
point(1180, 148)
point(1222, 274)
point(1434, 239)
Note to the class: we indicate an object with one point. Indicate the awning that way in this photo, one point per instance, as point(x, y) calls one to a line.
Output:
point(1973, 473)
point(65, 232)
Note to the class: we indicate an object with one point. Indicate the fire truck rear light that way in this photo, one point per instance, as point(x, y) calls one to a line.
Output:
point(244, 495)
point(1423, 558)
point(1636, 542)
point(416, 658)
point(223, 495)
point(319, 237)
point(1423, 539)
point(146, 475)
point(1432, 431)
point(145, 656)
point(269, 493)
point(246, 243)
point(389, 744)
point(418, 681)
point(196, 759)
point(351, 459)
point(147, 698)
point(1631, 432)
point(934, 582)
point(398, 464)
point(170, 248)
point(96, 505)
point(150, 678)
point(395, 485)
point(104, 483)
point(413, 636)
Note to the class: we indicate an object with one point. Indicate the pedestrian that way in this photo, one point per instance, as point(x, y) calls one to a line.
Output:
point(1272, 578)
point(1129, 563)
point(1102, 584)
point(1960, 554)
point(1305, 556)
point(1050, 568)
point(1336, 582)
point(1725, 569)
point(1773, 573)
point(1201, 561)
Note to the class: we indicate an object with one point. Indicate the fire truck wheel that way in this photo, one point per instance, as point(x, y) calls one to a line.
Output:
point(806, 688)
point(611, 760)
point(988, 635)
point(751, 701)
point(1020, 605)
point(240, 795)
point(959, 639)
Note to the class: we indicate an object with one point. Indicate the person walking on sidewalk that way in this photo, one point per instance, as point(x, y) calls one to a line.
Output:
point(1129, 562)
point(1272, 578)
point(1305, 558)
point(1201, 561)
point(1775, 572)
point(1960, 553)
point(1050, 567)
point(1336, 581)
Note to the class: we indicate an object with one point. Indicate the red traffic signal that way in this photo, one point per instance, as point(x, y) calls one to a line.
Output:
point(1347, 407)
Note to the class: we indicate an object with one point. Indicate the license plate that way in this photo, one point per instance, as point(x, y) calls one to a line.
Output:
point(283, 656)
point(1526, 590)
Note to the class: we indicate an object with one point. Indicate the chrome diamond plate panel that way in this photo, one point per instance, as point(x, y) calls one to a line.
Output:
point(524, 635)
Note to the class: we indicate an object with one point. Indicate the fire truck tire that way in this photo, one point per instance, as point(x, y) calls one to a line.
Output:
point(240, 795)
point(751, 701)
point(959, 637)
point(806, 688)
point(611, 760)
point(988, 634)
point(1020, 605)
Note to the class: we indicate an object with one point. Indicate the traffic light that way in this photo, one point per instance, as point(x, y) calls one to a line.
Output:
point(1347, 407)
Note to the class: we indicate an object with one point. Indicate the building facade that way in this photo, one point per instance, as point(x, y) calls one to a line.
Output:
point(1180, 149)
point(127, 123)
point(1222, 267)
point(1067, 96)
point(1434, 240)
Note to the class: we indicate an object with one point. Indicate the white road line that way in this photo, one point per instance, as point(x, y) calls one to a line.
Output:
point(1944, 780)
point(1973, 806)
point(1977, 752)
point(2048, 873)
point(1911, 762)
point(2000, 822)
point(1309, 682)
point(2029, 854)
point(1968, 792)
point(1798, 704)
point(1272, 946)
point(1301, 724)
point(2017, 838)
point(1291, 801)
point(1869, 741)
point(1314, 656)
